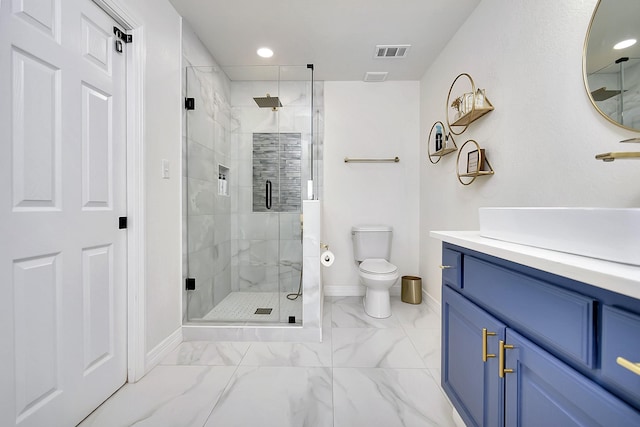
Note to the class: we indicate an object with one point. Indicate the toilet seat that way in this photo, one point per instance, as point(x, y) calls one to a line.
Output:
point(377, 266)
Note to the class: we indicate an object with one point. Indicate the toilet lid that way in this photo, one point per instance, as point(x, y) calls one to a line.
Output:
point(377, 266)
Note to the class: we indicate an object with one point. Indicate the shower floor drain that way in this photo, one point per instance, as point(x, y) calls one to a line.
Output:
point(263, 311)
point(241, 307)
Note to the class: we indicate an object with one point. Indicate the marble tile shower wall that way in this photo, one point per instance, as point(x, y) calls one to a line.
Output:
point(227, 247)
point(257, 236)
point(207, 144)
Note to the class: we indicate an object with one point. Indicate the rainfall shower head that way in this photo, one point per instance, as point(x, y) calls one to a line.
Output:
point(268, 101)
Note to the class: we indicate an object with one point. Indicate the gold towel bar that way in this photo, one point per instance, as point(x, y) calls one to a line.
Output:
point(394, 160)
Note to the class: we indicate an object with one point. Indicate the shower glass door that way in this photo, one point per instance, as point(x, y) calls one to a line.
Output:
point(247, 164)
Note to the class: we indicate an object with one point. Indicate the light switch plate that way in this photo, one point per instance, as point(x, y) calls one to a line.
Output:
point(165, 169)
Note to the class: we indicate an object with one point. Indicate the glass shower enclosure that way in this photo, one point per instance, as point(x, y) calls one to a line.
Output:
point(249, 157)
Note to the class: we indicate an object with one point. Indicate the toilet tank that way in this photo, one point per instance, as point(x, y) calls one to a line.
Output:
point(371, 241)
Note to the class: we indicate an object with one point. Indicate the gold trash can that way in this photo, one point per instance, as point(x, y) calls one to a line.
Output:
point(411, 289)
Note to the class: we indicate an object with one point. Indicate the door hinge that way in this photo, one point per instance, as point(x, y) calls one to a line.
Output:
point(190, 103)
point(122, 222)
point(190, 284)
point(127, 38)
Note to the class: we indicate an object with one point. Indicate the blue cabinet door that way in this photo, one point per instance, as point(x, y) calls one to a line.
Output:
point(620, 333)
point(543, 391)
point(472, 384)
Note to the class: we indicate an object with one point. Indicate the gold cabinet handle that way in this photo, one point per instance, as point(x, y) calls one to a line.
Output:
point(444, 267)
point(633, 367)
point(485, 334)
point(501, 369)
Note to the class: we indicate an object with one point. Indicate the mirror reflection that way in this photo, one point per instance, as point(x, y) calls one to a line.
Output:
point(612, 61)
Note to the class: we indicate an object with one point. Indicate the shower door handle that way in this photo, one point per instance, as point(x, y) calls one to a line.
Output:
point(268, 194)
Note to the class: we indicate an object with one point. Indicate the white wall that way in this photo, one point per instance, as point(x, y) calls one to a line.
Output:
point(162, 107)
point(371, 120)
point(544, 133)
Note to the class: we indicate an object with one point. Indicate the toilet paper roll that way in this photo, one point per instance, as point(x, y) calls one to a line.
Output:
point(327, 258)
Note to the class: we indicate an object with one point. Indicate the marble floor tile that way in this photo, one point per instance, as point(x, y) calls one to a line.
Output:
point(326, 313)
point(369, 348)
point(276, 397)
point(389, 397)
point(366, 372)
point(288, 354)
point(348, 312)
point(415, 316)
point(166, 396)
point(207, 353)
point(427, 343)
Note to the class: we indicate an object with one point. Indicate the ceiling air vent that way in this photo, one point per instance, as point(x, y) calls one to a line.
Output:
point(375, 76)
point(391, 51)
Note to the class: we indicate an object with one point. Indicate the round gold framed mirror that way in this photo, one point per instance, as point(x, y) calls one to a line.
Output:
point(611, 72)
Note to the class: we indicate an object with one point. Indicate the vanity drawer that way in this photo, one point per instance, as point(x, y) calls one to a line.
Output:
point(452, 268)
point(555, 318)
point(621, 338)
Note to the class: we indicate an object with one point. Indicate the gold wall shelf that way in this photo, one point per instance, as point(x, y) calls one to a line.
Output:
point(476, 111)
point(474, 115)
point(448, 144)
point(480, 173)
point(444, 152)
point(484, 167)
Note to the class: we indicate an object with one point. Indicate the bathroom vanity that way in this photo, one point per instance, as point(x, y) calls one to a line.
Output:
point(535, 337)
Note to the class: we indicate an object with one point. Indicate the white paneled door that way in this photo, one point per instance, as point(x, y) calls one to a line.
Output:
point(62, 189)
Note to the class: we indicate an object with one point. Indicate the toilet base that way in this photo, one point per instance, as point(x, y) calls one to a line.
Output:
point(377, 303)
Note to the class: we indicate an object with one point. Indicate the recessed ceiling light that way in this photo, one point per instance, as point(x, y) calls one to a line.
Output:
point(265, 52)
point(625, 43)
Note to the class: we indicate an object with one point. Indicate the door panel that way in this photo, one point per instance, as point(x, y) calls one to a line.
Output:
point(36, 132)
point(62, 189)
point(36, 286)
point(97, 267)
point(97, 149)
point(43, 15)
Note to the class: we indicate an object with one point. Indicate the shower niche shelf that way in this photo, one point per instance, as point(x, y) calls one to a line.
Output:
point(472, 162)
point(223, 180)
point(469, 106)
point(442, 143)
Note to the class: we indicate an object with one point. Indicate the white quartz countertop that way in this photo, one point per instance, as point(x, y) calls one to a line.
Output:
point(621, 278)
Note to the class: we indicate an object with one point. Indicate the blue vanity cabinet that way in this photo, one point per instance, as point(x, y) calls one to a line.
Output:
point(557, 340)
point(543, 391)
point(452, 268)
point(621, 351)
point(469, 376)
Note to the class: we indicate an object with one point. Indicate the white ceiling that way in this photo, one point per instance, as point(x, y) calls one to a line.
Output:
point(337, 36)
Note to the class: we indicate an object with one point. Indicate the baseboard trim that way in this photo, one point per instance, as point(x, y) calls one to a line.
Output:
point(159, 352)
point(344, 291)
point(358, 291)
point(431, 302)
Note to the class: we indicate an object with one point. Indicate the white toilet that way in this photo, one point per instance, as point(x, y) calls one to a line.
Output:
point(371, 250)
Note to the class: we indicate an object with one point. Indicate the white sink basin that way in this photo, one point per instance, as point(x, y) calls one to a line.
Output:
point(609, 234)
